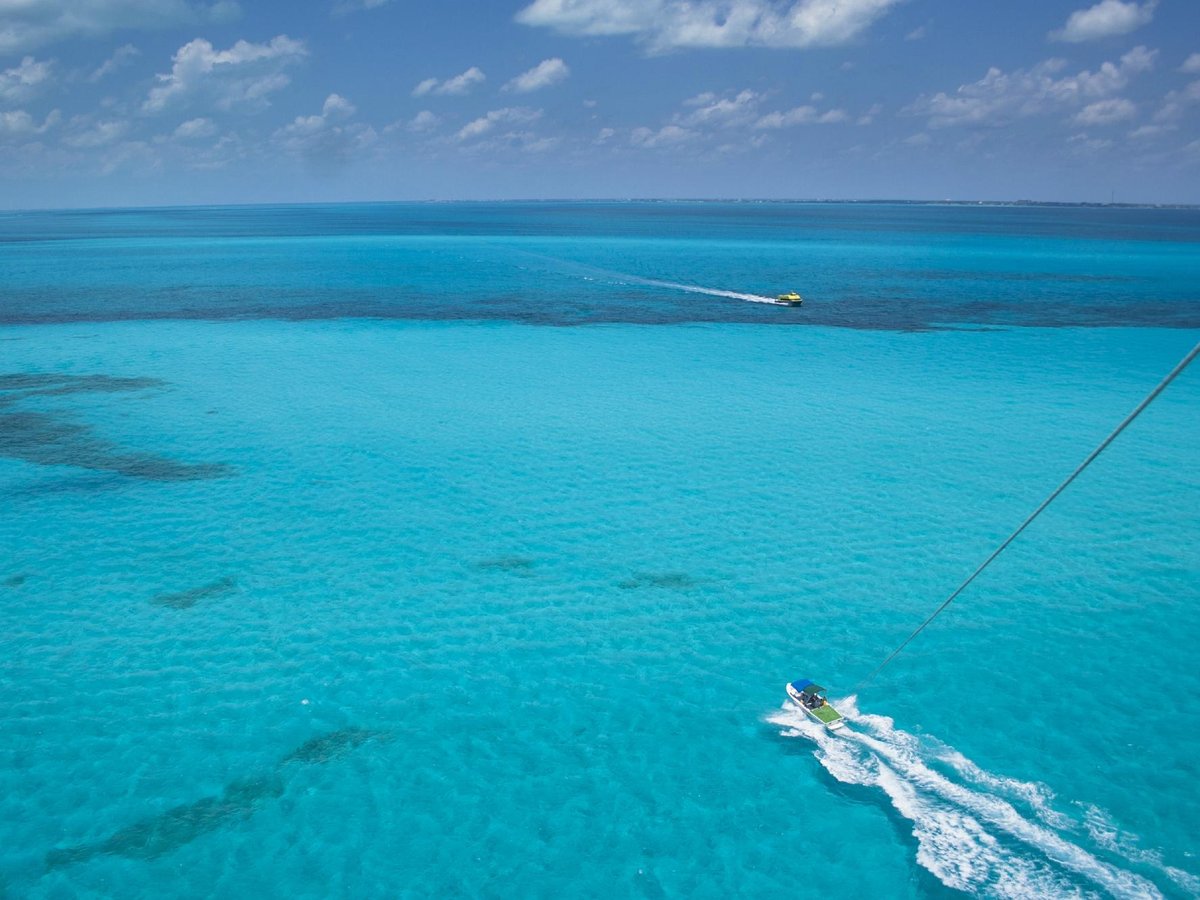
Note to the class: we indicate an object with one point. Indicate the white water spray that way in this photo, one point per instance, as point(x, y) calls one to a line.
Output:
point(970, 833)
point(712, 292)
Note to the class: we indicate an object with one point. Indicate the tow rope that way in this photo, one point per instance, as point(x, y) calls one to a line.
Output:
point(1150, 398)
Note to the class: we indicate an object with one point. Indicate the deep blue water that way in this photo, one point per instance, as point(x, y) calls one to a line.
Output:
point(327, 570)
point(901, 266)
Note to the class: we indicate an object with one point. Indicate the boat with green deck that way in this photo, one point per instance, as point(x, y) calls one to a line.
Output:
point(789, 299)
point(811, 698)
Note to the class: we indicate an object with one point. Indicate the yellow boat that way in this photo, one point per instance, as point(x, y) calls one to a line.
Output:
point(792, 299)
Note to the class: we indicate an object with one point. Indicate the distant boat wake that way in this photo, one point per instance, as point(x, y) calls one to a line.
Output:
point(695, 289)
point(650, 282)
point(978, 832)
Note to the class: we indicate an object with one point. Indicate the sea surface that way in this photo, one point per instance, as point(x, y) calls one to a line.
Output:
point(463, 550)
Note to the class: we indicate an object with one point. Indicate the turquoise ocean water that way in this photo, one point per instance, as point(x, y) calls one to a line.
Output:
point(450, 550)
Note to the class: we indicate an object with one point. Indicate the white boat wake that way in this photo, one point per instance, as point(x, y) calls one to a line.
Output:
point(712, 292)
point(626, 278)
point(970, 832)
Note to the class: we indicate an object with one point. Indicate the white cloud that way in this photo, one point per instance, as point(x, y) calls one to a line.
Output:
point(869, 116)
point(711, 117)
point(1001, 97)
point(459, 84)
point(669, 24)
point(743, 110)
point(120, 57)
point(1150, 131)
point(1084, 144)
point(724, 112)
point(29, 24)
point(425, 87)
point(1191, 65)
point(509, 115)
point(544, 74)
point(99, 135)
point(24, 80)
point(18, 122)
point(1108, 18)
point(801, 115)
point(241, 76)
point(345, 6)
point(1106, 112)
point(337, 107)
point(194, 129)
point(423, 121)
point(1176, 103)
point(668, 134)
point(327, 139)
point(917, 33)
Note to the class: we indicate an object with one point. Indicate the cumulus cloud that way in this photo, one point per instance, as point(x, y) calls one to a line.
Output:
point(345, 6)
point(1108, 18)
point(29, 24)
point(708, 118)
point(708, 109)
point(1176, 103)
point(423, 121)
point(509, 115)
point(1106, 112)
point(100, 134)
point(544, 74)
point(1191, 65)
point(327, 139)
point(743, 110)
point(120, 57)
point(19, 123)
point(802, 115)
point(24, 80)
point(242, 76)
point(459, 84)
point(869, 116)
point(663, 25)
point(1150, 131)
point(1000, 97)
point(194, 129)
point(668, 134)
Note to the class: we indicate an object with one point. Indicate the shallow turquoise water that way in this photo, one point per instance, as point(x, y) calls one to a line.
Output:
point(380, 607)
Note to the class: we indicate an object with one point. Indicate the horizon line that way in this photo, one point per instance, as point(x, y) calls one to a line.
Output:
point(1094, 204)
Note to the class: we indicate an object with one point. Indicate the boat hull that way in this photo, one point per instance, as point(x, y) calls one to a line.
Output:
point(824, 715)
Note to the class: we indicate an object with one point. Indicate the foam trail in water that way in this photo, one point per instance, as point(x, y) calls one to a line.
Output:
point(696, 289)
point(1107, 834)
point(651, 282)
point(968, 835)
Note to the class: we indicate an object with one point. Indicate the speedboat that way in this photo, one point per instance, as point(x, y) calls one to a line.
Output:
point(790, 299)
point(811, 698)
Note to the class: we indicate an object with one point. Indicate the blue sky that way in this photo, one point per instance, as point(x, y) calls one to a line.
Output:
point(134, 102)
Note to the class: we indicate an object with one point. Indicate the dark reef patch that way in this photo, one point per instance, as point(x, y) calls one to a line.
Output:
point(515, 565)
point(53, 439)
point(168, 831)
point(189, 598)
point(676, 581)
point(48, 384)
point(325, 747)
point(14, 581)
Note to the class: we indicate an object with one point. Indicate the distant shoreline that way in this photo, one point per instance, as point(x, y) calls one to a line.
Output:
point(1050, 204)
